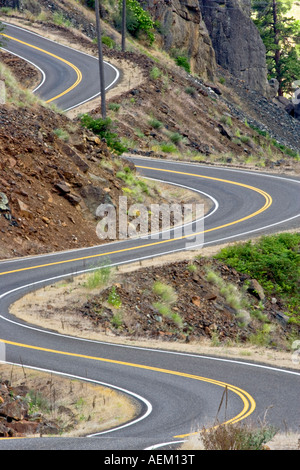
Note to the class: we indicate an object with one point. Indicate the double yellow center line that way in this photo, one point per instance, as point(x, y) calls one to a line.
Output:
point(249, 404)
point(267, 204)
point(76, 69)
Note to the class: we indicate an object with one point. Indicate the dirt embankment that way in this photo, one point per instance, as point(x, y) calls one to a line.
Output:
point(193, 303)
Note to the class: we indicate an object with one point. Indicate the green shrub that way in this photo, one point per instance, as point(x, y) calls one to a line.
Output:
point(114, 298)
point(103, 128)
point(155, 73)
point(165, 292)
point(275, 262)
point(168, 148)
point(62, 134)
point(176, 138)
point(155, 123)
point(114, 106)
point(136, 187)
point(60, 20)
point(109, 42)
point(190, 90)
point(98, 278)
point(226, 120)
point(183, 62)
point(138, 21)
point(237, 436)
point(36, 402)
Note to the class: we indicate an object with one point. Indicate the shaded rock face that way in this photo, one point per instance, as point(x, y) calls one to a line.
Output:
point(236, 41)
point(183, 28)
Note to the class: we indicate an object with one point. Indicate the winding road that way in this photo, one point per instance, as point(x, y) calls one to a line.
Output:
point(177, 392)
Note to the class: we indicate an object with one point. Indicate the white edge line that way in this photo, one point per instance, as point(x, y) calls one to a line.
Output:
point(151, 256)
point(73, 49)
point(104, 384)
point(33, 64)
point(163, 444)
point(122, 345)
point(58, 253)
point(211, 167)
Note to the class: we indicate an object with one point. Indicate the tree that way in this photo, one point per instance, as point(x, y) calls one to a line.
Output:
point(138, 21)
point(281, 36)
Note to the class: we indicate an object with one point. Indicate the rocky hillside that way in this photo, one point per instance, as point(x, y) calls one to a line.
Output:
point(54, 172)
point(53, 175)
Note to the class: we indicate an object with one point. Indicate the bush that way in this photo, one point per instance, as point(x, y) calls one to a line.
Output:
point(114, 106)
point(109, 42)
point(102, 128)
point(190, 90)
point(275, 262)
point(168, 148)
point(136, 187)
point(155, 73)
point(155, 123)
point(114, 298)
point(176, 138)
point(236, 436)
point(138, 21)
point(98, 278)
point(165, 292)
point(183, 62)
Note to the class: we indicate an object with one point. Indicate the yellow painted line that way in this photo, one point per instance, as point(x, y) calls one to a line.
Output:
point(76, 69)
point(268, 202)
point(249, 404)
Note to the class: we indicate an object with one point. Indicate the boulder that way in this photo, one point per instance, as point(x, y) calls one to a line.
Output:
point(3, 202)
point(23, 209)
point(256, 290)
point(272, 88)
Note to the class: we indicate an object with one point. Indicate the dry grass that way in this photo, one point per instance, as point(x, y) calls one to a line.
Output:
point(240, 435)
point(281, 441)
point(87, 407)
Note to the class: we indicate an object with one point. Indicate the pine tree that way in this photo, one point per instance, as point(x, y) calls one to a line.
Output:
point(281, 36)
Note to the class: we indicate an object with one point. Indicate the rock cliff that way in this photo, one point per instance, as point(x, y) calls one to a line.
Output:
point(236, 41)
point(183, 28)
point(214, 31)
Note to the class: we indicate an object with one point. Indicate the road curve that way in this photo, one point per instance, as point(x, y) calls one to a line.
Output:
point(176, 392)
point(69, 78)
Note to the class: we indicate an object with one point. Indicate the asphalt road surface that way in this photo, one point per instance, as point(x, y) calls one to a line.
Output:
point(177, 393)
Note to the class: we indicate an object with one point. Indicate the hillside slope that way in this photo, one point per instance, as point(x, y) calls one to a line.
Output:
point(157, 109)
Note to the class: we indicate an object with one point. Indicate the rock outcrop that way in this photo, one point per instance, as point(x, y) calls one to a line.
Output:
point(214, 31)
point(183, 28)
point(236, 41)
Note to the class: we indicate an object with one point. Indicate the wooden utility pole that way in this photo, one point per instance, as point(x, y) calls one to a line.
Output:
point(124, 26)
point(101, 65)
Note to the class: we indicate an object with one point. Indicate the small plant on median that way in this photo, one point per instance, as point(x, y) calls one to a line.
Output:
point(236, 436)
point(232, 295)
point(114, 298)
point(168, 297)
point(165, 292)
point(98, 278)
point(155, 73)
